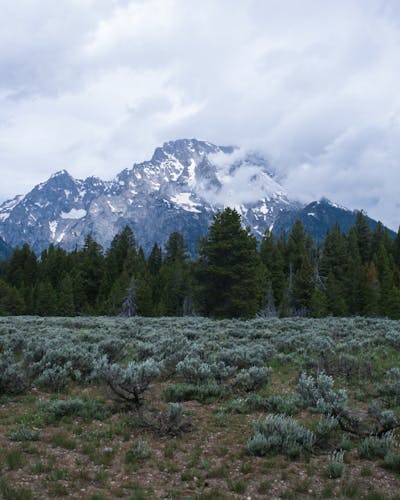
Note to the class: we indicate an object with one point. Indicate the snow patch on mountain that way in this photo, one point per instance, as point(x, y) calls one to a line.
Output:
point(183, 199)
point(53, 228)
point(74, 213)
point(7, 207)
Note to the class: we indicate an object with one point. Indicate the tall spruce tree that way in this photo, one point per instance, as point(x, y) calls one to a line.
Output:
point(274, 263)
point(174, 276)
point(229, 269)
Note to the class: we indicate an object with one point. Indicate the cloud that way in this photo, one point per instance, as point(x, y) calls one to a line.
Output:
point(94, 85)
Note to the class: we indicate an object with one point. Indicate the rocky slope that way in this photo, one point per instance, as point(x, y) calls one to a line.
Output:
point(178, 189)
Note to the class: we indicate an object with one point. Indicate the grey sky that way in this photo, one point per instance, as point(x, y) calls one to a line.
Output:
point(94, 85)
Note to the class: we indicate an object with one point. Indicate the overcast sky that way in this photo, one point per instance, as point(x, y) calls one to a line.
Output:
point(95, 85)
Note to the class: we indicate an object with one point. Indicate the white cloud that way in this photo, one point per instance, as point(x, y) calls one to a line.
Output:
point(93, 85)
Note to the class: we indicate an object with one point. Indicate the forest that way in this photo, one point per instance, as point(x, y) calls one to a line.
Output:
point(232, 276)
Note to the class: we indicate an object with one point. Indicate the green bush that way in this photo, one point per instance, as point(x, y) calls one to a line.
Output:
point(252, 379)
point(138, 454)
point(12, 376)
point(203, 393)
point(392, 462)
point(24, 434)
point(335, 465)
point(88, 409)
point(376, 447)
point(280, 434)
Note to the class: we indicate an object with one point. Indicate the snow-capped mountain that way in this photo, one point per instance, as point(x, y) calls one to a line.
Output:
point(317, 217)
point(179, 189)
point(5, 250)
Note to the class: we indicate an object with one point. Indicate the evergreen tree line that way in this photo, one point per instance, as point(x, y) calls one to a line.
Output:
point(233, 276)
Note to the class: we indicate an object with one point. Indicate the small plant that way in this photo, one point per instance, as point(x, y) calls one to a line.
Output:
point(14, 459)
point(55, 378)
point(392, 462)
point(252, 379)
point(376, 447)
point(24, 434)
point(62, 441)
point(284, 404)
point(318, 393)
point(203, 393)
point(245, 356)
point(336, 465)
point(238, 486)
point(8, 492)
point(345, 443)
point(325, 428)
point(351, 489)
point(128, 384)
point(264, 487)
point(87, 409)
point(172, 422)
point(280, 434)
point(366, 471)
point(12, 376)
point(138, 454)
point(390, 389)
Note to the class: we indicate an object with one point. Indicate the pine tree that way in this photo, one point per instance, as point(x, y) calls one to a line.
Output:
point(229, 269)
point(46, 299)
point(66, 305)
point(318, 304)
point(154, 261)
point(11, 302)
point(174, 276)
point(335, 300)
point(269, 309)
point(370, 290)
point(129, 307)
point(298, 246)
point(274, 263)
point(363, 234)
point(353, 275)
point(91, 266)
point(303, 288)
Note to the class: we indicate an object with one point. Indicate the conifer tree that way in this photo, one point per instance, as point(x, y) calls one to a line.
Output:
point(91, 266)
point(229, 269)
point(174, 276)
point(66, 305)
point(46, 299)
point(335, 300)
point(303, 287)
point(274, 263)
point(363, 234)
point(353, 275)
point(11, 302)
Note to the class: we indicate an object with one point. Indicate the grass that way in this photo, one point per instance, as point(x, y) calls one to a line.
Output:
point(9, 492)
point(137, 455)
point(14, 459)
point(55, 445)
point(63, 441)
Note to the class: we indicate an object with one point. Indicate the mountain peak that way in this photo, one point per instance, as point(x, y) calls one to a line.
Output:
point(61, 173)
point(179, 189)
point(185, 149)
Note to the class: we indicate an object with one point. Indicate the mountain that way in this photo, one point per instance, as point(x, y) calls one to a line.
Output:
point(179, 189)
point(317, 217)
point(5, 250)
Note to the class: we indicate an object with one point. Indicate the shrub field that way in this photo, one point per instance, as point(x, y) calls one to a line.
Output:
point(139, 408)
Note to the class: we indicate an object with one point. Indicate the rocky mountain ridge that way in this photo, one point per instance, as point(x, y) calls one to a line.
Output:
point(179, 189)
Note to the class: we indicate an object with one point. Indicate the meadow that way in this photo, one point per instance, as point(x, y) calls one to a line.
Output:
point(103, 408)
